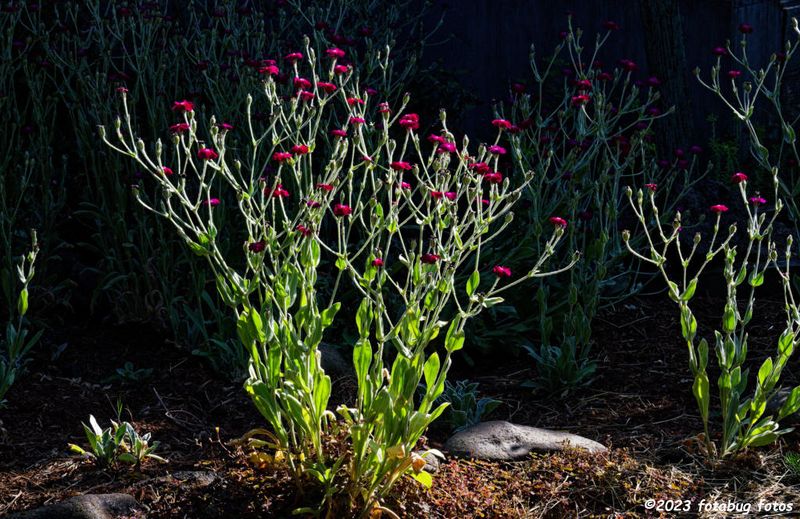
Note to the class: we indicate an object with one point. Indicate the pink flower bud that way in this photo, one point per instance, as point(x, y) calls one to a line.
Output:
point(207, 154)
point(558, 221)
point(501, 271)
point(342, 210)
point(400, 166)
point(182, 106)
point(377, 262)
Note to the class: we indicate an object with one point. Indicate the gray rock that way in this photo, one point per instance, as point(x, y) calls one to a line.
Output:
point(431, 462)
point(193, 478)
point(334, 363)
point(505, 441)
point(89, 506)
point(777, 401)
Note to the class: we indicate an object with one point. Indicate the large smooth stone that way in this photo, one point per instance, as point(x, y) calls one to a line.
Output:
point(504, 441)
point(89, 506)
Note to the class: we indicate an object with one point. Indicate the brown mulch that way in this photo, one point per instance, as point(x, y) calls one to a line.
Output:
point(639, 404)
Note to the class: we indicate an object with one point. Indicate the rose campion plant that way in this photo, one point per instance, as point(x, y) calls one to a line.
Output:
point(397, 245)
point(746, 418)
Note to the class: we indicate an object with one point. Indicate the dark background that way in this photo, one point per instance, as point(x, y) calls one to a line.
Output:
point(485, 45)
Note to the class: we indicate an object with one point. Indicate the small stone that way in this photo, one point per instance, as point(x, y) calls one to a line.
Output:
point(503, 441)
point(431, 461)
point(89, 506)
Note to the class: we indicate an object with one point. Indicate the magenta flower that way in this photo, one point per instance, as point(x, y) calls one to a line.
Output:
point(167, 171)
point(305, 95)
point(207, 154)
point(182, 106)
point(339, 133)
point(280, 192)
point(179, 128)
point(446, 147)
point(340, 69)
point(579, 100)
point(696, 150)
point(757, 200)
point(719, 51)
point(325, 187)
point(313, 204)
point(400, 166)
point(628, 65)
point(271, 70)
point(733, 74)
point(342, 210)
point(651, 187)
point(281, 156)
point(436, 195)
point(501, 123)
point(211, 202)
point(257, 246)
point(501, 272)
point(436, 138)
point(357, 120)
point(352, 101)
point(405, 185)
point(496, 150)
point(299, 149)
point(409, 122)
point(480, 167)
point(719, 208)
point(450, 195)
point(610, 25)
point(293, 56)
point(377, 262)
point(430, 259)
point(329, 88)
point(604, 76)
point(494, 177)
point(738, 177)
point(383, 108)
point(583, 84)
point(122, 90)
point(303, 230)
point(558, 221)
point(301, 83)
point(335, 53)
point(225, 127)
point(745, 28)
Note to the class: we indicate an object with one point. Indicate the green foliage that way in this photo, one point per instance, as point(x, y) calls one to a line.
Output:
point(792, 462)
point(363, 206)
point(128, 373)
point(582, 151)
point(118, 443)
point(745, 420)
point(742, 94)
point(465, 407)
point(16, 343)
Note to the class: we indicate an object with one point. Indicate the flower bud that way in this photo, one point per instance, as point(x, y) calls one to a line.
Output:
point(117, 123)
point(140, 145)
point(697, 238)
point(102, 131)
point(626, 235)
